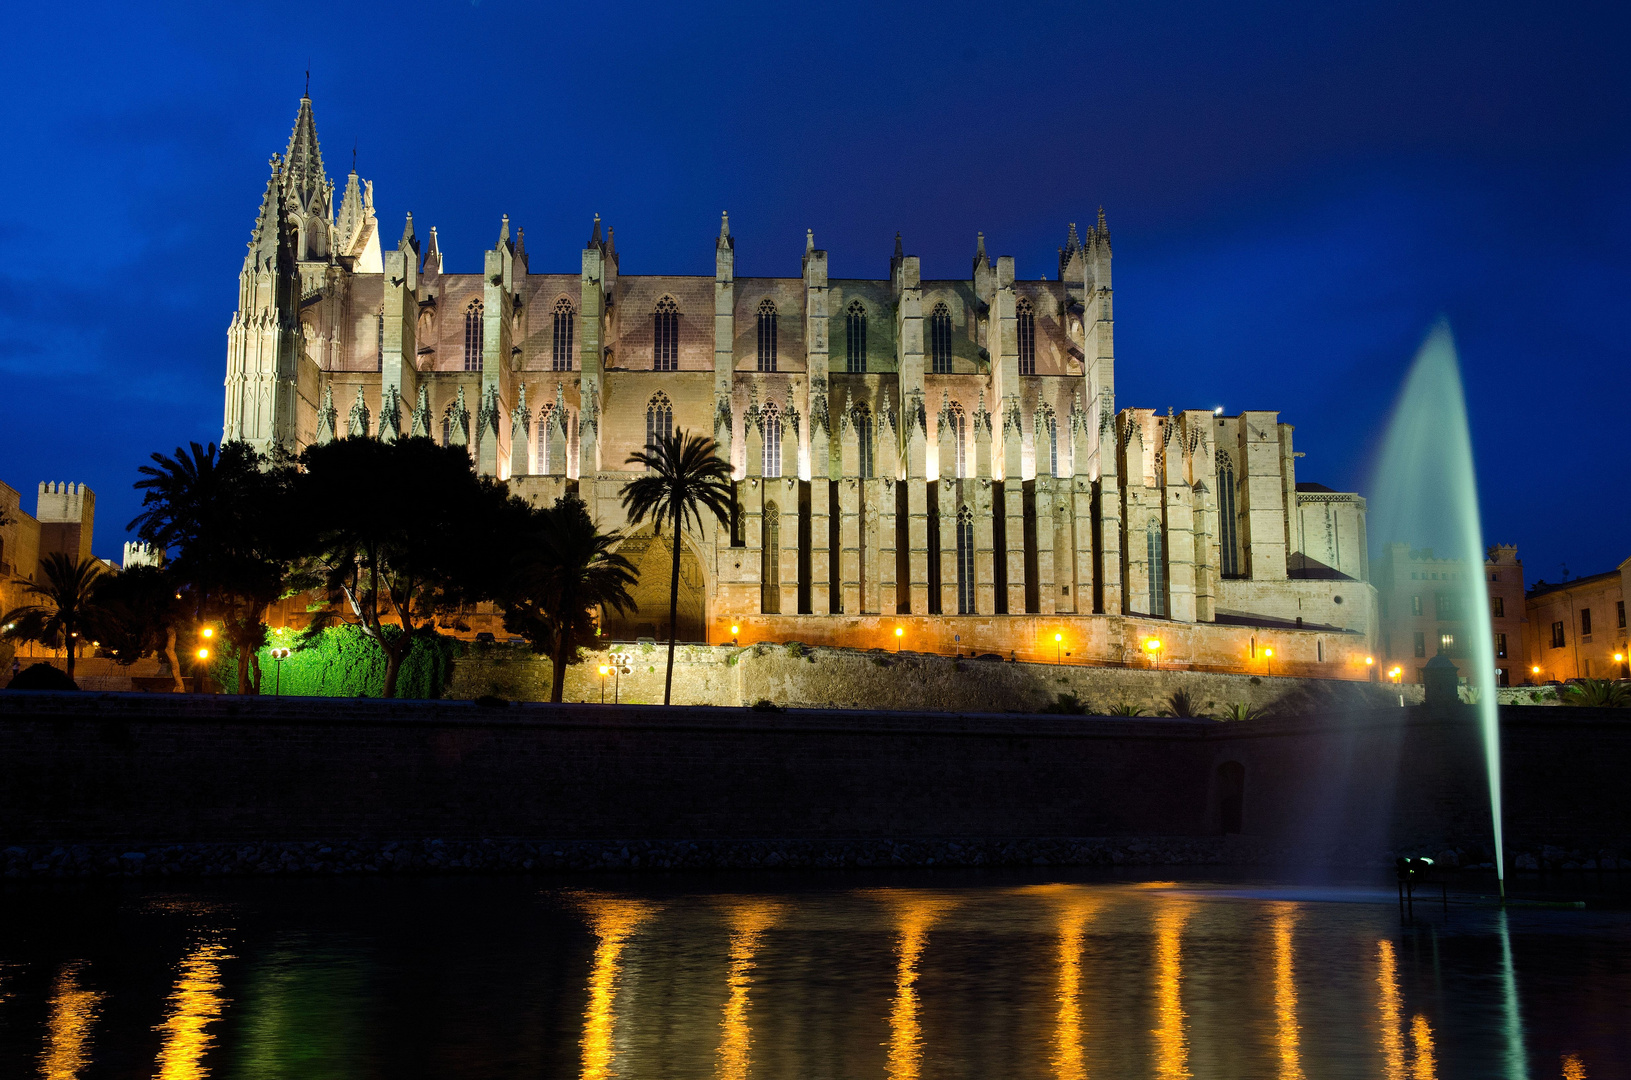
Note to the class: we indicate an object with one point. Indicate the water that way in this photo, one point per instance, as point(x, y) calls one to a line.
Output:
point(1426, 495)
point(852, 976)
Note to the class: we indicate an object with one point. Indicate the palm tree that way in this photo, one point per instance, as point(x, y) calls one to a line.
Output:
point(565, 574)
point(66, 607)
point(684, 476)
point(1598, 693)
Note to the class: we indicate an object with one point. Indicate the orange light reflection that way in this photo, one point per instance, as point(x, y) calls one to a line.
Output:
point(1573, 1067)
point(1421, 1033)
point(1068, 1059)
point(613, 920)
point(194, 1003)
point(1171, 1043)
point(748, 921)
point(1288, 1035)
point(914, 914)
point(68, 1032)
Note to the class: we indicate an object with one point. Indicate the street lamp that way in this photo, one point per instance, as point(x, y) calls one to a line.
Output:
point(900, 632)
point(1153, 647)
point(735, 630)
point(604, 671)
point(278, 656)
point(1058, 643)
point(1268, 661)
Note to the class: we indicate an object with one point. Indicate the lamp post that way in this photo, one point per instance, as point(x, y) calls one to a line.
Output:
point(1370, 667)
point(735, 630)
point(1058, 643)
point(604, 671)
point(1153, 647)
point(278, 656)
point(1268, 661)
point(900, 632)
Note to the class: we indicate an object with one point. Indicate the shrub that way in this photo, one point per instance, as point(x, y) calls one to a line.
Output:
point(1241, 710)
point(42, 676)
point(342, 661)
point(881, 661)
point(1595, 693)
point(796, 649)
point(1066, 705)
point(1124, 708)
point(765, 705)
point(1179, 703)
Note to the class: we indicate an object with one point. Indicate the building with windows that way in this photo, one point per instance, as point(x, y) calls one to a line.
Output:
point(941, 456)
point(1577, 628)
point(1420, 607)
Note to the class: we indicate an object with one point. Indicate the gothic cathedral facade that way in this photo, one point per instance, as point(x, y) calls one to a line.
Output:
point(939, 457)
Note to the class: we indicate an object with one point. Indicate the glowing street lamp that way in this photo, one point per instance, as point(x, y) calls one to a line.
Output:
point(278, 656)
point(900, 632)
point(1268, 661)
point(735, 630)
point(208, 631)
point(203, 654)
point(1153, 647)
point(1058, 643)
point(604, 671)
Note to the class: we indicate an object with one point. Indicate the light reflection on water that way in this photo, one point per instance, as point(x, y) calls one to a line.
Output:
point(1064, 981)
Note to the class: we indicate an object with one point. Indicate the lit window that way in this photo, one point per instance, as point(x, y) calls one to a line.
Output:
point(863, 438)
point(959, 438)
point(665, 336)
point(473, 334)
point(855, 337)
point(965, 561)
point(1158, 568)
point(561, 343)
point(767, 338)
point(659, 419)
point(1228, 524)
point(940, 339)
point(772, 420)
point(1027, 338)
point(770, 600)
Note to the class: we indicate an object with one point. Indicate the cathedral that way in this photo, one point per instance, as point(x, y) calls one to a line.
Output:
point(935, 465)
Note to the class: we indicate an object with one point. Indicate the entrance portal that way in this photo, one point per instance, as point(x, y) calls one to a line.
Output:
point(653, 559)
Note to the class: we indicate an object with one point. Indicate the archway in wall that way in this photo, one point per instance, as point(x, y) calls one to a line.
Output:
point(653, 559)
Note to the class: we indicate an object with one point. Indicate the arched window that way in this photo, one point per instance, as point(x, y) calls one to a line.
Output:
point(379, 343)
point(770, 597)
point(1228, 526)
point(855, 337)
point(940, 339)
point(546, 416)
point(863, 439)
point(665, 336)
point(772, 419)
point(1045, 432)
point(659, 419)
point(965, 561)
point(959, 439)
point(767, 337)
point(566, 321)
point(473, 336)
point(1027, 338)
point(1158, 568)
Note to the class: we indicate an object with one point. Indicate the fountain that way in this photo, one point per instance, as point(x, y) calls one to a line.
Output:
point(1426, 495)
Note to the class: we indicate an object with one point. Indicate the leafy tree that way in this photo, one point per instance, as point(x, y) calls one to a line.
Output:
point(227, 515)
point(65, 608)
point(564, 573)
point(684, 477)
point(143, 609)
point(399, 532)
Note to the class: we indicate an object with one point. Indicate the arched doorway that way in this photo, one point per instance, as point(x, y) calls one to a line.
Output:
point(653, 559)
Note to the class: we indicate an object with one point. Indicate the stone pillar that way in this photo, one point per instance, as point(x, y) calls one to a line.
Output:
point(787, 497)
point(882, 495)
point(1109, 589)
point(849, 509)
point(398, 373)
point(1047, 593)
point(1206, 564)
point(821, 597)
point(591, 355)
point(498, 293)
point(1262, 506)
point(1013, 499)
point(724, 337)
point(917, 503)
point(751, 492)
point(520, 434)
point(1080, 424)
point(1139, 503)
point(985, 554)
point(950, 501)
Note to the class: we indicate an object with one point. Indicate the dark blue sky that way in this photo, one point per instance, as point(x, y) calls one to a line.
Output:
point(1294, 191)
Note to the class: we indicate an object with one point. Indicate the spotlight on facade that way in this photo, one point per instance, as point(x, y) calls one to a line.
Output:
point(1535, 670)
point(1619, 658)
point(1153, 647)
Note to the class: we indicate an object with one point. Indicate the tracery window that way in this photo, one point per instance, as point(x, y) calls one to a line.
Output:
point(1156, 552)
point(855, 337)
point(770, 599)
point(1027, 338)
point(767, 337)
point(1046, 429)
point(665, 336)
point(772, 420)
point(565, 322)
point(959, 439)
point(473, 332)
point(965, 561)
point(659, 419)
point(546, 416)
point(863, 439)
point(940, 339)
point(1228, 526)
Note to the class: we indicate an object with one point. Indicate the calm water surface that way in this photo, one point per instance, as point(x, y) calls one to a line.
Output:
point(927, 976)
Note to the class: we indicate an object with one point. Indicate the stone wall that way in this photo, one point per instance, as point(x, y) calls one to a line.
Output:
point(819, 677)
point(164, 769)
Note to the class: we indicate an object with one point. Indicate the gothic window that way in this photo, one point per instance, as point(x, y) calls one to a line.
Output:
point(940, 339)
point(772, 419)
point(1046, 430)
point(665, 336)
point(959, 438)
point(1158, 568)
point(659, 419)
point(566, 320)
point(770, 600)
point(767, 338)
point(379, 342)
point(1027, 338)
point(545, 416)
point(472, 336)
point(855, 337)
point(965, 561)
point(1228, 526)
point(863, 439)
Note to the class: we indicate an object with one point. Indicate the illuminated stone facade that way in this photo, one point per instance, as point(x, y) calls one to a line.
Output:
point(945, 449)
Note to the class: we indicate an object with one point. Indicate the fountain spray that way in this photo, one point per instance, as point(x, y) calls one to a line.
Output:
point(1426, 494)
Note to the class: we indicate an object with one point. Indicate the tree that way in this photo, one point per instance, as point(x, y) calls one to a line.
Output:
point(65, 610)
point(400, 531)
point(684, 476)
point(1598, 693)
point(227, 515)
point(563, 575)
point(143, 609)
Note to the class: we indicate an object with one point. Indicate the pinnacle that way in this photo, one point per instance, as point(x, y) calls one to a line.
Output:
point(504, 229)
point(899, 251)
point(305, 156)
point(809, 240)
point(724, 224)
point(1102, 229)
point(594, 235)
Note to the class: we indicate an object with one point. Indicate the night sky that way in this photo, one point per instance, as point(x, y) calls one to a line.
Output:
point(1295, 192)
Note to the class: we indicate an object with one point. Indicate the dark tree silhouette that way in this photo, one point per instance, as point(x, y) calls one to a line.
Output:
point(64, 610)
